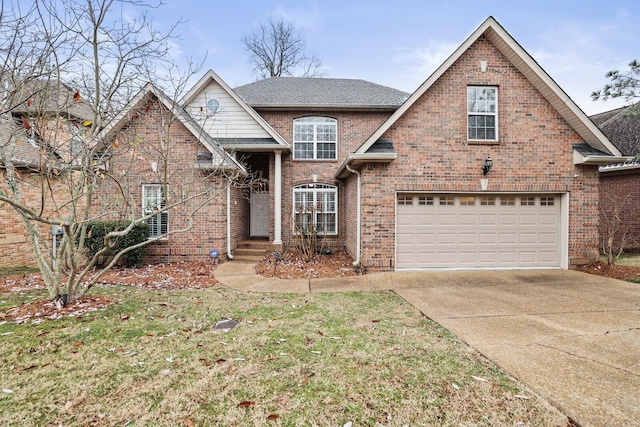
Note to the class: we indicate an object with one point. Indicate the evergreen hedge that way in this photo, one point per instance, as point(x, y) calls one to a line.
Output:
point(96, 231)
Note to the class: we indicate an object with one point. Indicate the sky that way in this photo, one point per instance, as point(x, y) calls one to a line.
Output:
point(400, 43)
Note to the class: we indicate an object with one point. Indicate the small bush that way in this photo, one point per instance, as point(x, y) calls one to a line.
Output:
point(95, 241)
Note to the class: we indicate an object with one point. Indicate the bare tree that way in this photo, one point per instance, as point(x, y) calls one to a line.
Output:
point(57, 158)
point(277, 49)
point(614, 229)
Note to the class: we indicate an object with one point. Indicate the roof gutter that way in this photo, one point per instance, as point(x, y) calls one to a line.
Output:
point(355, 160)
point(619, 167)
point(359, 212)
point(581, 159)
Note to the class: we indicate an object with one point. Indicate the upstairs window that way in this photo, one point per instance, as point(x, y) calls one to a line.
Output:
point(315, 209)
point(153, 201)
point(315, 138)
point(482, 113)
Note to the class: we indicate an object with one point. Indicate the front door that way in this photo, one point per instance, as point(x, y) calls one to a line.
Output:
point(259, 214)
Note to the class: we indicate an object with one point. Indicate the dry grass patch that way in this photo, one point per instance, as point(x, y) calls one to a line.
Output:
point(154, 358)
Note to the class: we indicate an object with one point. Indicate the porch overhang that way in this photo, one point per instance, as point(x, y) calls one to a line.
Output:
point(356, 160)
point(252, 145)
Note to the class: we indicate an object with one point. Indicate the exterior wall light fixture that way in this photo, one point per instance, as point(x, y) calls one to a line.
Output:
point(488, 163)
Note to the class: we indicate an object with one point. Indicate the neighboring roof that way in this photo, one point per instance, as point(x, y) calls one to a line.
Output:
point(24, 150)
point(142, 98)
point(507, 45)
point(622, 129)
point(50, 97)
point(211, 76)
point(313, 93)
point(15, 144)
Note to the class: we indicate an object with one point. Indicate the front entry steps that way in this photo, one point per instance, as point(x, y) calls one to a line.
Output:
point(252, 250)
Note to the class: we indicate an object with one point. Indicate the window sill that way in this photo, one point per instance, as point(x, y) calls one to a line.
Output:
point(482, 142)
point(316, 160)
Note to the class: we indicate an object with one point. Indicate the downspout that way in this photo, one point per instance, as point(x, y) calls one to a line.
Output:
point(359, 214)
point(229, 255)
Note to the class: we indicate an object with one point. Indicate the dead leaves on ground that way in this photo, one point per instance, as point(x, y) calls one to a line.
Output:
point(293, 266)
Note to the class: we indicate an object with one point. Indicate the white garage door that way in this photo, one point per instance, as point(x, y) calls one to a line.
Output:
point(477, 231)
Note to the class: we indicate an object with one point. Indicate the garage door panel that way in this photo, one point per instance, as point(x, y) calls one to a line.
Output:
point(527, 257)
point(507, 258)
point(446, 219)
point(445, 257)
point(548, 219)
point(467, 219)
point(425, 218)
point(446, 239)
point(508, 219)
point(467, 239)
point(487, 219)
point(509, 238)
point(467, 235)
point(528, 219)
point(487, 238)
point(548, 238)
point(547, 257)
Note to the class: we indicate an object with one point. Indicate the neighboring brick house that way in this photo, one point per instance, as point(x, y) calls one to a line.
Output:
point(38, 138)
point(620, 182)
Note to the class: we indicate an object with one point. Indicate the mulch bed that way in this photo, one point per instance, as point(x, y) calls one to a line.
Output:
point(294, 266)
point(199, 275)
point(180, 275)
point(622, 272)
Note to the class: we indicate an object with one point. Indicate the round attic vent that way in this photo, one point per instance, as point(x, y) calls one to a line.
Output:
point(213, 105)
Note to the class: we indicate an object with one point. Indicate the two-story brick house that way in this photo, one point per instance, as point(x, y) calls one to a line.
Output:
point(488, 164)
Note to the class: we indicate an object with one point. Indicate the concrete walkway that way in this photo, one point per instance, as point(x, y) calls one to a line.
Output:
point(572, 337)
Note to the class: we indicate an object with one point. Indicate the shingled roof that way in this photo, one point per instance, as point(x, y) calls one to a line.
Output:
point(622, 129)
point(284, 92)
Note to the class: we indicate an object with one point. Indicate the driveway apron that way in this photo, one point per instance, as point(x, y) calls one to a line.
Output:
point(573, 338)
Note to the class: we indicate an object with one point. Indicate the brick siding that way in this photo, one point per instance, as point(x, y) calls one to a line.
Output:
point(533, 154)
point(353, 129)
point(138, 144)
point(622, 191)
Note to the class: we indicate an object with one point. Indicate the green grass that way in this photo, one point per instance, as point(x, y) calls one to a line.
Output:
point(632, 260)
point(153, 359)
point(14, 271)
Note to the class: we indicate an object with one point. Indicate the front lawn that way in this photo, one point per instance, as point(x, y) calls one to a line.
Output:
point(153, 358)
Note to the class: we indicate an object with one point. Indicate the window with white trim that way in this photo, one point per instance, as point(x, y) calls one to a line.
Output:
point(153, 201)
point(315, 138)
point(315, 208)
point(482, 113)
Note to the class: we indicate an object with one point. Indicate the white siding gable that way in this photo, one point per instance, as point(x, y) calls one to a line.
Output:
point(231, 121)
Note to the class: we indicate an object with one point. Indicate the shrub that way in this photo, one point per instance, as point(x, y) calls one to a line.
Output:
point(95, 241)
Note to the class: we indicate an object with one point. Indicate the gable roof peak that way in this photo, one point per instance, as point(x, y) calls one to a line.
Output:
point(530, 69)
point(209, 77)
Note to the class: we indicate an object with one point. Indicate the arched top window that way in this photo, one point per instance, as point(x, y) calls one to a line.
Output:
point(315, 138)
point(315, 209)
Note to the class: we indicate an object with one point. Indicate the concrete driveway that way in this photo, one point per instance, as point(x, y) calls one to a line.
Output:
point(573, 338)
